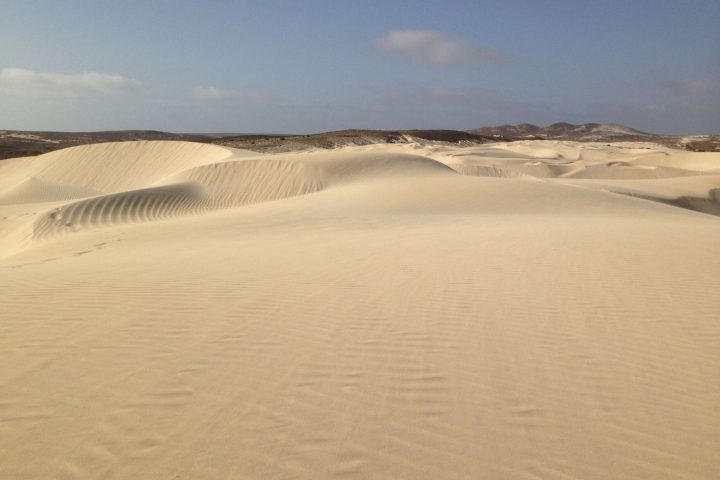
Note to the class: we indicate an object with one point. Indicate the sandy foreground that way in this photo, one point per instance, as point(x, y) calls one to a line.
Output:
point(534, 310)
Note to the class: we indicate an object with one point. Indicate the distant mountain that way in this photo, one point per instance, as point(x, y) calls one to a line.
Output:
point(598, 132)
point(568, 131)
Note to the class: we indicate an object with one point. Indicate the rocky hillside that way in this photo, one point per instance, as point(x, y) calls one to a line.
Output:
point(568, 131)
point(598, 132)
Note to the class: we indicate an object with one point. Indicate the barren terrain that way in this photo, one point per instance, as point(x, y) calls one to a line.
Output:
point(406, 310)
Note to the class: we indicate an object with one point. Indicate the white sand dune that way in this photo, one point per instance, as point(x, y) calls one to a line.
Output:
point(533, 310)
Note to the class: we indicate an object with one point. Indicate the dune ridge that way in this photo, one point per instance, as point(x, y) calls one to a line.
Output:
point(172, 179)
point(521, 310)
point(167, 179)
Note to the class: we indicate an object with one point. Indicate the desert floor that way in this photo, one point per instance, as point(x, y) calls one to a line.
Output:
point(533, 310)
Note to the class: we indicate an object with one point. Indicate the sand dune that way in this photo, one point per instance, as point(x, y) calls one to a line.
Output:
point(516, 311)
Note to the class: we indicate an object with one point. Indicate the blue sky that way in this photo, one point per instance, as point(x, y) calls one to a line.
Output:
point(309, 66)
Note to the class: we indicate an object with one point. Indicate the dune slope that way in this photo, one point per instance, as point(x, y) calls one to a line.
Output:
point(515, 311)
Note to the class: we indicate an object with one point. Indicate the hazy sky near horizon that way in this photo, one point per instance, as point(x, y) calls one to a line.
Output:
point(308, 66)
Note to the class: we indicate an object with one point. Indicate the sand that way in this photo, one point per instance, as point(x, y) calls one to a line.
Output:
point(534, 310)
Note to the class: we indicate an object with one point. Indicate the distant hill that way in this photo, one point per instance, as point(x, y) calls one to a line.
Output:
point(15, 143)
point(510, 131)
point(23, 143)
point(285, 143)
point(598, 132)
point(568, 131)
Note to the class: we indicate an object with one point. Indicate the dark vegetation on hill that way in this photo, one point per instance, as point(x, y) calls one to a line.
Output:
point(281, 143)
point(24, 143)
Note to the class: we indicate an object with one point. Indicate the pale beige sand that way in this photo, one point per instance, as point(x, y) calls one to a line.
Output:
point(174, 310)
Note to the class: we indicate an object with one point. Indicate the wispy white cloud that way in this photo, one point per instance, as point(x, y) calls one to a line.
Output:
point(435, 48)
point(86, 81)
